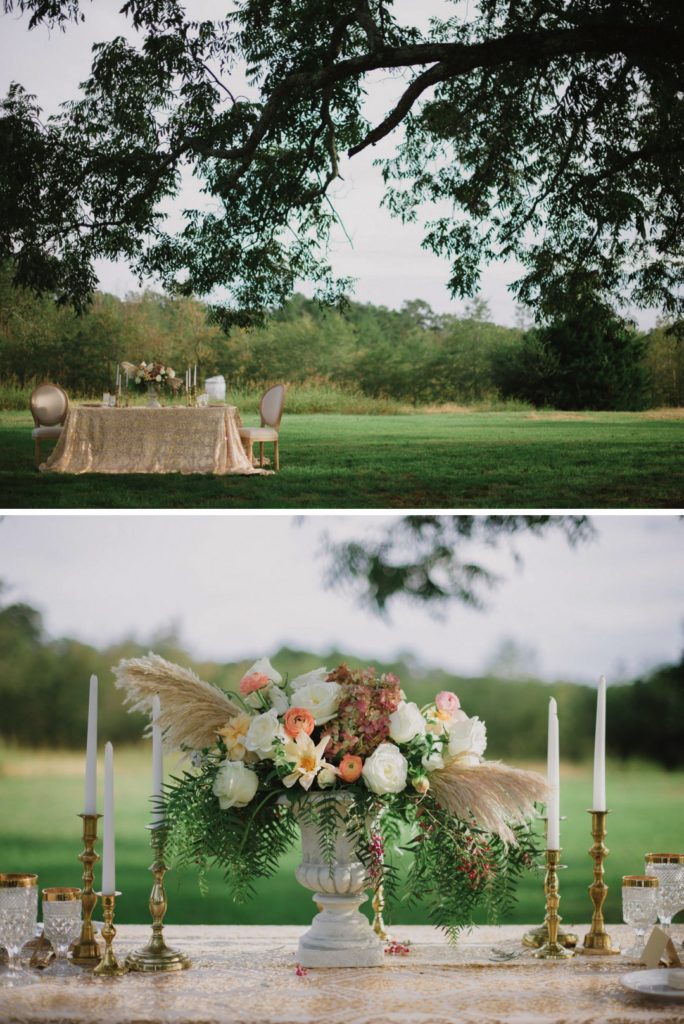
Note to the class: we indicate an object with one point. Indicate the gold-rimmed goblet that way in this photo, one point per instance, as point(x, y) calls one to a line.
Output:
point(668, 868)
point(18, 915)
point(61, 924)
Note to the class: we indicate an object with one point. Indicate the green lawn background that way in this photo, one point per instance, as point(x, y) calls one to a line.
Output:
point(421, 460)
point(41, 794)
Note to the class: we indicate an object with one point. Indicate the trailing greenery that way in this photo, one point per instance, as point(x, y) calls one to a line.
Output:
point(455, 867)
point(246, 843)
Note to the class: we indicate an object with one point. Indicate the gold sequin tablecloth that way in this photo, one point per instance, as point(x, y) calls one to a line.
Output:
point(174, 439)
point(247, 975)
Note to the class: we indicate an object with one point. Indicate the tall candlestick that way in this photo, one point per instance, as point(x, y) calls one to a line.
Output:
point(553, 779)
point(599, 801)
point(108, 882)
point(195, 381)
point(157, 765)
point(90, 801)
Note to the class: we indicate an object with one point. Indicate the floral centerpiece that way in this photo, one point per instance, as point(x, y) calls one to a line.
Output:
point(152, 376)
point(340, 749)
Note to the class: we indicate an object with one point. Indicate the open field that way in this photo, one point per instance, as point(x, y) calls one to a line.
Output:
point(421, 460)
point(41, 793)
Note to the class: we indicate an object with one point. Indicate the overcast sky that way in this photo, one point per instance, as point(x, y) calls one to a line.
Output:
point(384, 256)
point(240, 586)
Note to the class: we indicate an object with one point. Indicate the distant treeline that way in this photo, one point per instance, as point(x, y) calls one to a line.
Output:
point(412, 355)
point(44, 685)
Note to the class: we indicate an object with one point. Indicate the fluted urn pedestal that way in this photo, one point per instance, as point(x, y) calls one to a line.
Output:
point(339, 936)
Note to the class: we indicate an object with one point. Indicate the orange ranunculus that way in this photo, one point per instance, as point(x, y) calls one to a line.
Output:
point(298, 720)
point(257, 681)
point(350, 767)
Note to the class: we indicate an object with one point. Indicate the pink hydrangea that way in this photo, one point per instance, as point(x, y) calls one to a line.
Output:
point(256, 681)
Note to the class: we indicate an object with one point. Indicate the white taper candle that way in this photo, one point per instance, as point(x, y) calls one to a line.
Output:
point(90, 801)
point(553, 779)
point(108, 869)
point(599, 801)
point(157, 764)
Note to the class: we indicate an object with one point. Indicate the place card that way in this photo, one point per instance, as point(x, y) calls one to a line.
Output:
point(660, 947)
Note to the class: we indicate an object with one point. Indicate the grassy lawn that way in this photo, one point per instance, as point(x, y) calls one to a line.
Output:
point(421, 460)
point(41, 793)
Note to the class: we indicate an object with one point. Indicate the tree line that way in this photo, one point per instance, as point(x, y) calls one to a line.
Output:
point(44, 685)
point(590, 359)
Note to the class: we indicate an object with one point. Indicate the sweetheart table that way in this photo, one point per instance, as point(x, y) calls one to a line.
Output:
point(248, 975)
point(137, 439)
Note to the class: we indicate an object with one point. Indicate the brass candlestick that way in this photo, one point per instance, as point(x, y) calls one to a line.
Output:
point(156, 955)
point(597, 941)
point(87, 950)
point(535, 938)
point(109, 966)
point(552, 949)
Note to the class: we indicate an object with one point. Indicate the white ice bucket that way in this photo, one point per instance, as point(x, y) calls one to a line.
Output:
point(215, 387)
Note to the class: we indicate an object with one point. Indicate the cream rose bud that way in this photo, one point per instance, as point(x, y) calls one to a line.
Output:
point(326, 777)
point(467, 736)
point(263, 732)
point(385, 770)
point(406, 722)
point(235, 785)
point(317, 675)
point(264, 667)
point(321, 699)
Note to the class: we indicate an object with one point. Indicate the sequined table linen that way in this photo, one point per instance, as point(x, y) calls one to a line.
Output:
point(175, 439)
point(247, 975)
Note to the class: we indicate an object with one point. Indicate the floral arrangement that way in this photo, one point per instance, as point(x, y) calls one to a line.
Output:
point(152, 373)
point(416, 774)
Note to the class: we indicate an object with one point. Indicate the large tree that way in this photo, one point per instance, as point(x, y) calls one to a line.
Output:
point(551, 131)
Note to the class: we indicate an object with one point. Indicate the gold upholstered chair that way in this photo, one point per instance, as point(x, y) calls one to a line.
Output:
point(49, 407)
point(271, 412)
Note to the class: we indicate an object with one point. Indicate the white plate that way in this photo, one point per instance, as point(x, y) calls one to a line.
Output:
point(653, 983)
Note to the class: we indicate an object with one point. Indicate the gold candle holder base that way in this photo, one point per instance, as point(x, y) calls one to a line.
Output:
point(537, 937)
point(109, 966)
point(87, 951)
point(597, 941)
point(156, 956)
point(552, 948)
point(378, 905)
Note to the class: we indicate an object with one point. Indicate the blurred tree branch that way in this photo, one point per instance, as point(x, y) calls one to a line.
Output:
point(422, 557)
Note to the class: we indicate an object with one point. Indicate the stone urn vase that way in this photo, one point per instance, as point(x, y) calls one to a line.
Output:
point(153, 396)
point(339, 936)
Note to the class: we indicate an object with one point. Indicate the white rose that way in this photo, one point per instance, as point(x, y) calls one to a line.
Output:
point(406, 722)
point(434, 761)
point(385, 770)
point(317, 675)
point(262, 733)
point(158, 377)
point(264, 667)
point(235, 785)
point(467, 737)
point(321, 699)
point(170, 372)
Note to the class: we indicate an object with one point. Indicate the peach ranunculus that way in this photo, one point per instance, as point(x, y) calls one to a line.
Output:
point(298, 720)
point(447, 704)
point(350, 767)
point(255, 681)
